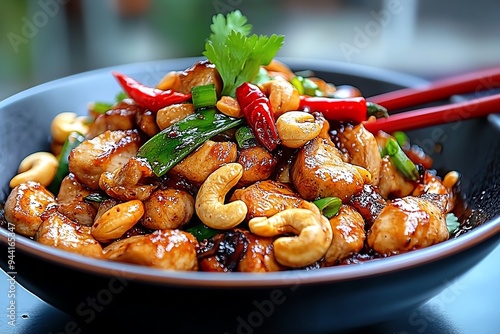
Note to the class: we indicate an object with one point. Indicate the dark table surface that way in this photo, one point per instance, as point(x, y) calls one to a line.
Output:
point(470, 304)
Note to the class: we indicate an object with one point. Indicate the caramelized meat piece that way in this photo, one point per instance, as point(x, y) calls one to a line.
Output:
point(120, 117)
point(71, 201)
point(319, 171)
point(258, 164)
point(223, 251)
point(104, 153)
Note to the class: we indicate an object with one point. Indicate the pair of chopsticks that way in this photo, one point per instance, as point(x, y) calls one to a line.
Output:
point(474, 82)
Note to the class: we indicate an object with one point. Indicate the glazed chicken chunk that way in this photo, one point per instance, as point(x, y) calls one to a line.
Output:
point(319, 171)
point(104, 153)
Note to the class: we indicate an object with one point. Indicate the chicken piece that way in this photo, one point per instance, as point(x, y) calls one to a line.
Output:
point(258, 164)
point(134, 180)
point(59, 231)
point(392, 183)
point(201, 73)
point(24, 205)
point(267, 198)
point(349, 235)
point(369, 203)
point(432, 184)
point(259, 255)
point(362, 148)
point(406, 224)
point(104, 153)
point(168, 208)
point(163, 249)
point(71, 203)
point(319, 171)
point(120, 117)
point(146, 122)
point(198, 165)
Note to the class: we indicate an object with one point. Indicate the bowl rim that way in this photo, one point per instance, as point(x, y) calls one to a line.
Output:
point(247, 280)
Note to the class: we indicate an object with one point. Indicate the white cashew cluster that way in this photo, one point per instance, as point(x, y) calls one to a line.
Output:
point(295, 128)
point(210, 206)
point(40, 167)
point(313, 235)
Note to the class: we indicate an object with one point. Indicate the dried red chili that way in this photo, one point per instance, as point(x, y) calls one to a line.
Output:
point(149, 97)
point(256, 108)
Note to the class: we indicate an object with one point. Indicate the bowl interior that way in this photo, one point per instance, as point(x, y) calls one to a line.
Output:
point(470, 147)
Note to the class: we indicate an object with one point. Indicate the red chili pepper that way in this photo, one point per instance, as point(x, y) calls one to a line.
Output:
point(351, 109)
point(256, 108)
point(148, 97)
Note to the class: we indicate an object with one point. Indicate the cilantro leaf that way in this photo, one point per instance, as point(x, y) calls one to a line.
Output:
point(236, 55)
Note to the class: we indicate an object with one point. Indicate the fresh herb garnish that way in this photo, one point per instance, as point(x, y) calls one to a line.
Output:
point(236, 55)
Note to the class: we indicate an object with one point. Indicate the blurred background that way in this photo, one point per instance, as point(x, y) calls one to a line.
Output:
point(42, 40)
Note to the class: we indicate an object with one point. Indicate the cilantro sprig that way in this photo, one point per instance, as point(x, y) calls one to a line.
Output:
point(236, 55)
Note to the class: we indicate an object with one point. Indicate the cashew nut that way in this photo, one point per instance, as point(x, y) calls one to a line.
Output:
point(117, 220)
point(229, 106)
point(40, 167)
point(313, 235)
point(67, 122)
point(295, 128)
point(210, 206)
point(283, 96)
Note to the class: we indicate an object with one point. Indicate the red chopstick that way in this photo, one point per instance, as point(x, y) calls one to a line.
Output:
point(430, 116)
point(472, 82)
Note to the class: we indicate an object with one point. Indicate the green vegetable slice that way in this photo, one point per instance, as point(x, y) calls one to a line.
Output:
point(168, 147)
point(400, 160)
point(204, 96)
point(74, 139)
point(202, 232)
point(329, 206)
point(452, 222)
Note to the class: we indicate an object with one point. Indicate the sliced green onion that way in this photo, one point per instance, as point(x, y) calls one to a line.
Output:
point(74, 139)
point(204, 96)
point(400, 160)
point(245, 137)
point(329, 206)
point(306, 86)
point(202, 232)
point(168, 147)
point(373, 109)
point(297, 83)
point(95, 197)
point(452, 222)
point(401, 138)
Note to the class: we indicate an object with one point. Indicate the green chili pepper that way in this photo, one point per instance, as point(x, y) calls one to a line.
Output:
point(245, 137)
point(329, 206)
point(400, 160)
point(74, 139)
point(168, 147)
point(202, 232)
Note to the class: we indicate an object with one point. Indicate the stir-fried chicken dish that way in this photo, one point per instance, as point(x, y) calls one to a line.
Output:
point(276, 173)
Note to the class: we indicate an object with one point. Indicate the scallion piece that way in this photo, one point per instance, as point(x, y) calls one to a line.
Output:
point(329, 206)
point(95, 197)
point(452, 222)
point(168, 147)
point(400, 160)
point(204, 96)
point(202, 232)
point(245, 137)
point(74, 139)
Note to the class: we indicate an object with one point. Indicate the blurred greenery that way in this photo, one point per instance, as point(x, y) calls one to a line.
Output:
point(42, 40)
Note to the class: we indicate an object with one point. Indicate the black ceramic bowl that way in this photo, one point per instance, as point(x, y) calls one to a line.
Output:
point(316, 301)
